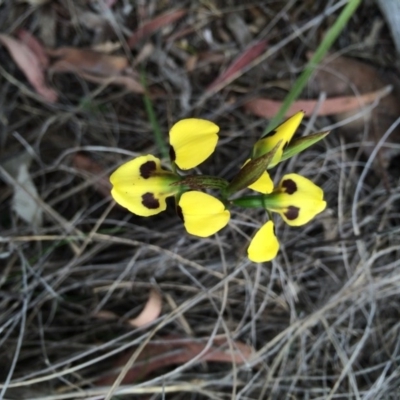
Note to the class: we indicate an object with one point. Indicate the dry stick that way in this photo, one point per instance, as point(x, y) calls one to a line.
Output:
point(97, 225)
point(352, 289)
point(22, 329)
point(110, 15)
point(322, 49)
point(342, 296)
point(295, 330)
point(23, 88)
point(220, 319)
point(62, 275)
point(208, 345)
point(99, 237)
point(180, 310)
point(341, 354)
point(68, 227)
point(98, 393)
point(157, 249)
point(356, 352)
point(270, 52)
point(139, 350)
point(181, 318)
point(220, 316)
point(365, 171)
point(116, 282)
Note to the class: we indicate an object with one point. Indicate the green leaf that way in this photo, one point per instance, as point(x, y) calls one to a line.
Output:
point(298, 145)
point(251, 171)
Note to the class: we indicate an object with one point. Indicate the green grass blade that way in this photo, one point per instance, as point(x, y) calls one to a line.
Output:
point(319, 54)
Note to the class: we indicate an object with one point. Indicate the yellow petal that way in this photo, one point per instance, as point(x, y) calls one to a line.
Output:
point(264, 245)
point(141, 186)
point(283, 133)
point(203, 215)
point(298, 200)
point(192, 141)
point(263, 184)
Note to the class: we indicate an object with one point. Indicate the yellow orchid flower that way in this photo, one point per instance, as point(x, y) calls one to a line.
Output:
point(141, 185)
point(202, 214)
point(192, 141)
point(296, 199)
point(264, 246)
point(283, 133)
point(263, 184)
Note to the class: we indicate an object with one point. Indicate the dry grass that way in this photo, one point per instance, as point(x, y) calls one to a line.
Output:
point(323, 318)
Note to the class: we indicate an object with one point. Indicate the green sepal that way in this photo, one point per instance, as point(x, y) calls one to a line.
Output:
point(201, 182)
point(266, 201)
point(249, 201)
point(251, 172)
point(296, 146)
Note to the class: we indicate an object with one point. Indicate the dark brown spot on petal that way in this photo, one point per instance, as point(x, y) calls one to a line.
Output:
point(180, 213)
point(289, 185)
point(150, 202)
point(172, 154)
point(147, 169)
point(272, 133)
point(292, 213)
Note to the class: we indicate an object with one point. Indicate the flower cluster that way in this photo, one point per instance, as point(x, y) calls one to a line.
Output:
point(142, 184)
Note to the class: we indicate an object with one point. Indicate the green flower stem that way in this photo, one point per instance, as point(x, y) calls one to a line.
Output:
point(249, 202)
point(170, 180)
point(158, 136)
point(319, 54)
point(267, 201)
point(200, 182)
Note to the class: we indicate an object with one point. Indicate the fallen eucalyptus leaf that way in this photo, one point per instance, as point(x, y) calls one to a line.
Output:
point(25, 192)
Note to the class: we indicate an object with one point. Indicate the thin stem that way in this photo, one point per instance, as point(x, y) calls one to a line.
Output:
point(198, 182)
point(158, 136)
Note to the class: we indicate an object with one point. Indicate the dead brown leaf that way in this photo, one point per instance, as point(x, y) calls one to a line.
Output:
point(31, 65)
point(95, 67)
point(238, 65)
point(145, 52)
point(106, 315)
point(37, 48)
point(267, 108)
point(169, 351)
point(344, 75)
point(127, 81)
point(341, 75)
point(151, 310)
point(70, 59)
point(154, 25)
point(106, 47)
point(36, 2)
